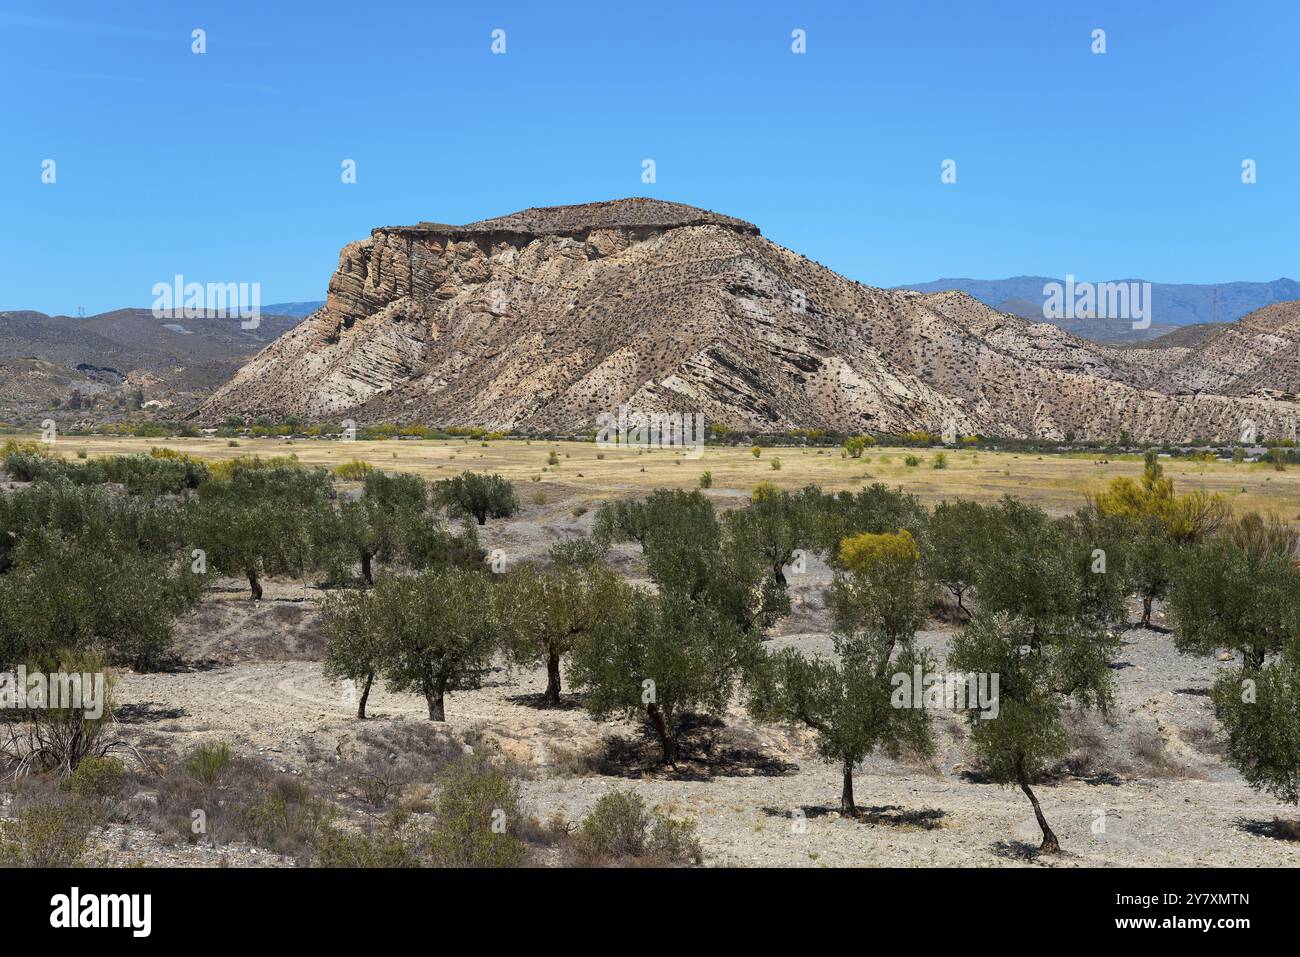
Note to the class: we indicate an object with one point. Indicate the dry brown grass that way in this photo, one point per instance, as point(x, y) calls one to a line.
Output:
point(1058, 483)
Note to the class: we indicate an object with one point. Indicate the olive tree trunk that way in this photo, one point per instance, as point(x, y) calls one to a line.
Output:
point(1050, 844)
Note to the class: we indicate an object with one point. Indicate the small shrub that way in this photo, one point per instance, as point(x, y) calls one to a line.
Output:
point(706, 480)
point(855, 444)
point(206, 762)
point(911, 461)
point(617, 825)
point(776, 465)
point(756, 451)
point(477, 807)
point(553, 458)
point(620, 826)
point(98, 778)
point(393, 843)
point(47, 835)
point(354, 471)
point(940, 461)
point(289, 820)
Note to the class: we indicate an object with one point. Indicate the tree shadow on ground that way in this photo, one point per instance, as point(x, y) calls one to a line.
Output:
point(183, 666)
point(537, 701)
point(700, 755)
point(1051, 778)
point(1278, 829)
point(1085, 770)
point(888, 815)
point(1158, 629)
point(1015, 850)
point(147, 712)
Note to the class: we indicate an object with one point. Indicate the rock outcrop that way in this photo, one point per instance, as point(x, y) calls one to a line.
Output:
point(545, 318)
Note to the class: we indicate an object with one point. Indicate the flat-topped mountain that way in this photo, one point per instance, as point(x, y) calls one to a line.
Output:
point(545, 318)
point(622, 214)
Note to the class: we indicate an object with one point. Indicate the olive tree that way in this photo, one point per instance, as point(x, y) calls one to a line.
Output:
point(376, 525)
point(658, 656)
point(544, 613)
point(262, 520)
point(777, 524)
point(847, 700)
point(956, 547)
point(876, 508)
point(61, 594)
point(478, 495)
point(1044, 626)
point(880, 597)
point(1038, 671)
point(1259, 709)
point(440, 629)
point(356, 642)
point(1160, 525)
point(1229, 596)
point(1242, 592)
point(688, 552)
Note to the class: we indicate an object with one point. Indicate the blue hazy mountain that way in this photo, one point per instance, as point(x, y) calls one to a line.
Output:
point(1172, 304)
point(299, 309)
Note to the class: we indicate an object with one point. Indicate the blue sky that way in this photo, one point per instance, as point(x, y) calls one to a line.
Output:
point(225, 166)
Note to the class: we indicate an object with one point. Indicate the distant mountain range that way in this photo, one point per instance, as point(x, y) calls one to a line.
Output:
point(1173, 305)
point(95, 365)
point(299, 310)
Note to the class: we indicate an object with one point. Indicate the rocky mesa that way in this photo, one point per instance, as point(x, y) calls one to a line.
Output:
point(545, 318)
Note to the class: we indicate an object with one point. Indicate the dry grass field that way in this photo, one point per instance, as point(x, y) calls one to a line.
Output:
point(587, 474)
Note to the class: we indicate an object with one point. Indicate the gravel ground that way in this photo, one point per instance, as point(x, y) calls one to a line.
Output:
point(1154, 792)
point(1145, 786)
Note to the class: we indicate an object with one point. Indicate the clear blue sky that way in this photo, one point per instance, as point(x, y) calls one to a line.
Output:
point(225, 167)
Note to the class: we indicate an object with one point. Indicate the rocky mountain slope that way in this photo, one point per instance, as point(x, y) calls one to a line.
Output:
point(177, 361)
point(1257, 356)
point(545, 318)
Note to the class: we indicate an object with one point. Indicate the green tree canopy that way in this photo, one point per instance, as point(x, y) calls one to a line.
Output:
point(659, 656)
point(1035, 679)
point(441, 630)
point(478, 495)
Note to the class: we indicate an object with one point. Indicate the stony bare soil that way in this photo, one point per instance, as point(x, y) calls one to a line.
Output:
point(1145, 786)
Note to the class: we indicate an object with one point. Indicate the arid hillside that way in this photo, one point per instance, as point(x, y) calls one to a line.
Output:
point(543, 319)
point(81, 370)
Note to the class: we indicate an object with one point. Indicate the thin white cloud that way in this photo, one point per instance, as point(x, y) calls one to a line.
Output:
point(168, 80)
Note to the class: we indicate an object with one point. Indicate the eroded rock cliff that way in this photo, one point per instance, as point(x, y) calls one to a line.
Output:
point(545, 318)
